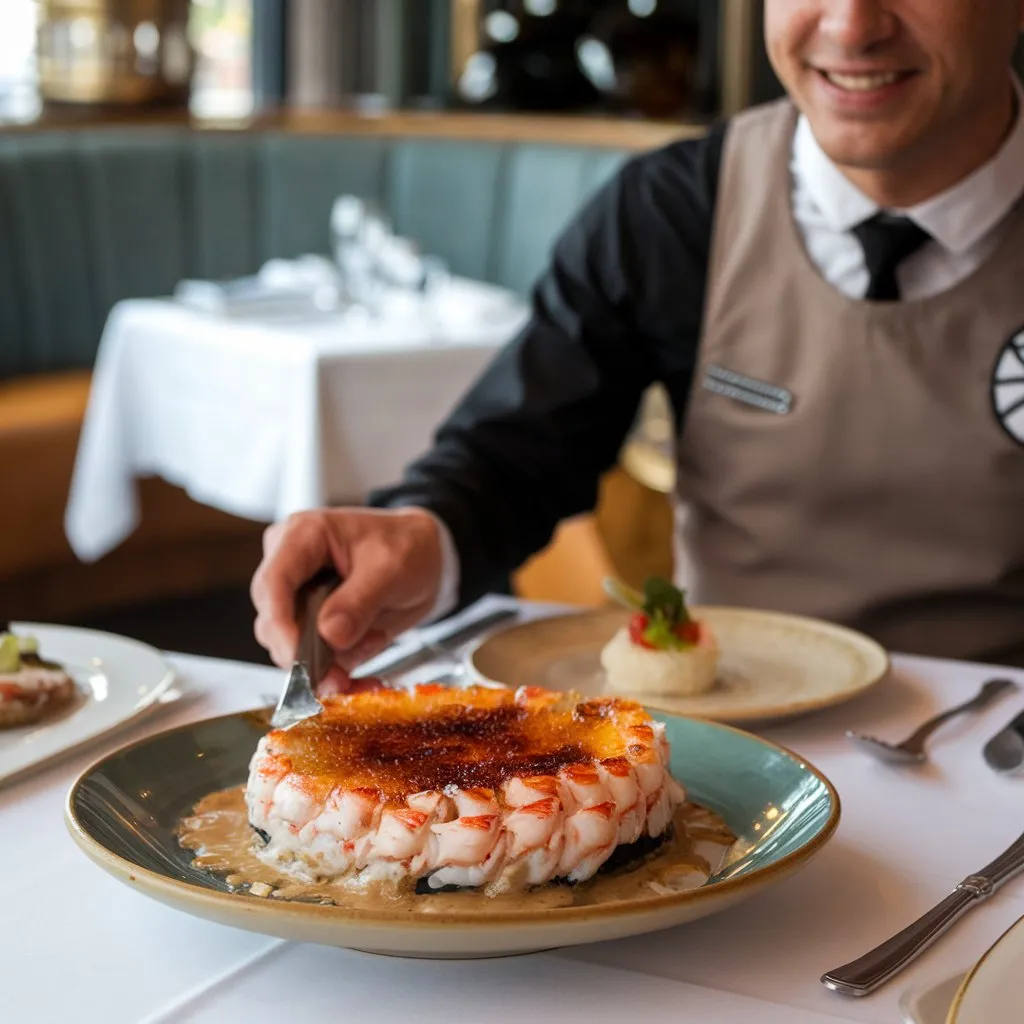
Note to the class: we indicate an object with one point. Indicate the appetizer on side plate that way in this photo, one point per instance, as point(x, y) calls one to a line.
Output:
point(662, 650)
point(30, 688)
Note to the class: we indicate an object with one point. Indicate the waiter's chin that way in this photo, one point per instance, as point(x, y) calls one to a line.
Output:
point(874, 128)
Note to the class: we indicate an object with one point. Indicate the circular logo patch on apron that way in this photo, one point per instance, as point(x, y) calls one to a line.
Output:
point(1008, 387)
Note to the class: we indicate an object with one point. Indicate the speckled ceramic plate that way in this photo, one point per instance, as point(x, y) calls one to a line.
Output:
point(993, 991)
point(117, 680)
point(772, 665)
point(124, 810)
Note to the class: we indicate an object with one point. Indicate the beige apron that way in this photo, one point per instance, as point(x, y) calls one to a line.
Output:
point(856, 461)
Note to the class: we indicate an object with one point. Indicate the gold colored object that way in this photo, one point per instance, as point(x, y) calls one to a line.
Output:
point(115, 52)
point(649, 455)
point(465, 33)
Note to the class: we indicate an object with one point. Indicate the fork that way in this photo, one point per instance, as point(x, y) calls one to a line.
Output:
point(912, 750)
point(298, 700)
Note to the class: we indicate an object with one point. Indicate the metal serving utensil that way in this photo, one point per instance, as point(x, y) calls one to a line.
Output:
point(874, 968)
point(912, 750)
point(1004, 753)
point(312, 657)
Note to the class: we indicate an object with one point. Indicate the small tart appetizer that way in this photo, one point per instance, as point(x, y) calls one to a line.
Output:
point(662, 650)
point(30, 688)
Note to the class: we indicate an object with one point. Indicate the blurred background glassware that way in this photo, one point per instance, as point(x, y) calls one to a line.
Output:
point(526, 59)
point(399, 264)
point(114, 53)
point(643, 57)
point(436, 277)
point(360, 232)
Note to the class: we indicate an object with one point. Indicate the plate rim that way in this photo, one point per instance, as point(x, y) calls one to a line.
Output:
point(764, 713)
point(104, 729)
point(157, 883)
point(910, 999)
point(961, 993)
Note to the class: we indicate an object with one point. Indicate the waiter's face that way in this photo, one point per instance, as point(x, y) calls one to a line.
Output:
point(884, 82)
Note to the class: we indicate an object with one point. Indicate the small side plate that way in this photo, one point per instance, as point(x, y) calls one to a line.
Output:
point(117, 679)
point(772, 665)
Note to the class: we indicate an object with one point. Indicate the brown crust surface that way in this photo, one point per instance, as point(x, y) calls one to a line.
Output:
point(397, 742)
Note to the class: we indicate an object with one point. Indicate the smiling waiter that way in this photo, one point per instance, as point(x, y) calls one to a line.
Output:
point(831, 288)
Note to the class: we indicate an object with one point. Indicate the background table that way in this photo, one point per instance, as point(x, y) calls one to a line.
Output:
point(77, 945)
point(262, 418)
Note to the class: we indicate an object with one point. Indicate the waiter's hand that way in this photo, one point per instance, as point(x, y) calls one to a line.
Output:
point(390, 563)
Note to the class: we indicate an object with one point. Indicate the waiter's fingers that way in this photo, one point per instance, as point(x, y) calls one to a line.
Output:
point(372, 597)
point(293, 551)
point(391, 568)
point(373, 642)
point(382, 632)
point(335, 681)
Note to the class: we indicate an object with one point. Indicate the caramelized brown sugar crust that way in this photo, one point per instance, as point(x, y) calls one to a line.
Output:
point(397, 743)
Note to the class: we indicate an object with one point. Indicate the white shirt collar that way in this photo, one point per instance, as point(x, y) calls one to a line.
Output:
point(957, 218)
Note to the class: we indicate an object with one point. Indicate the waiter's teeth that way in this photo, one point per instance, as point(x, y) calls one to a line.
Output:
point(861, 83)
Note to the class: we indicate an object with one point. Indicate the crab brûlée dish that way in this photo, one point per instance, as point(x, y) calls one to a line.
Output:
point(434, 787)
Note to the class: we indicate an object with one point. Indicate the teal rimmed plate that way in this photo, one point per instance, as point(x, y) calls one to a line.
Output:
point(123, 812)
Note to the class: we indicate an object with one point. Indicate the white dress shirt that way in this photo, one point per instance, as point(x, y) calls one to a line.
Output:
point(965, 223)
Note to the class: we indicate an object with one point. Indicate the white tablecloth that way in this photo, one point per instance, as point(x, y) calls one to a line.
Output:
point(77, 945)
point(265, 418)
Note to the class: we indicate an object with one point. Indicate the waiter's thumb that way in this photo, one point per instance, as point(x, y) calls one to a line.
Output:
point(349, 613)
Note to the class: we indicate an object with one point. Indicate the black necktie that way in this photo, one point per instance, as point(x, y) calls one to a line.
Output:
point(887, 241)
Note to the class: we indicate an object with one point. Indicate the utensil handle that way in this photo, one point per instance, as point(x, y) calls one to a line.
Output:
point(443, 646)
point(312, 650)
point(868, 972)
point(1004, 752)
point(992, 689)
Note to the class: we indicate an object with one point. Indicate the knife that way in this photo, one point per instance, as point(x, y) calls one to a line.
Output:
point(442, 646)
point(1005, 751)
point(866, 973)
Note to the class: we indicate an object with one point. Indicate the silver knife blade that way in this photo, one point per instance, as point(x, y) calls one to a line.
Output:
point(402, 660)
point(312, 658)
point(1004, 753)
point(863, 975)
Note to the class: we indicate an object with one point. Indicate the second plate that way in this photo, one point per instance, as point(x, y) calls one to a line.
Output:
point(772, 665)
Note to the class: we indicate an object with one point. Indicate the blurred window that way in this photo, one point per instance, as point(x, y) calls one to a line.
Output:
point(221, 32)
point(19, 97)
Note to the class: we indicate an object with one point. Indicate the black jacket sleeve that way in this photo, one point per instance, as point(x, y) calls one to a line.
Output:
point(619, 307)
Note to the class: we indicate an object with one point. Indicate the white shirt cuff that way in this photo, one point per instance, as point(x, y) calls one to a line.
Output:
point(448, 593)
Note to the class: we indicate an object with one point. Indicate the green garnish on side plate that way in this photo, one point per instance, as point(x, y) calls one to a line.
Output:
point(660, 620)
point(12, 648)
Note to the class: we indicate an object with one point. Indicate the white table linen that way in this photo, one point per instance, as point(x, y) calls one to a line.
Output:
point(265, 417)
point(78, 945)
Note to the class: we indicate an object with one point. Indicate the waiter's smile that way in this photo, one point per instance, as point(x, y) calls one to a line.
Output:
point(902, 95)
point(861, 89)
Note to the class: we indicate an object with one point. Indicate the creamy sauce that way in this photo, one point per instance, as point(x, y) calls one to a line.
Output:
point(218, 833)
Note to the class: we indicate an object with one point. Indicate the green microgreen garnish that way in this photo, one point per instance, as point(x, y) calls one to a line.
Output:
point(664, 605)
